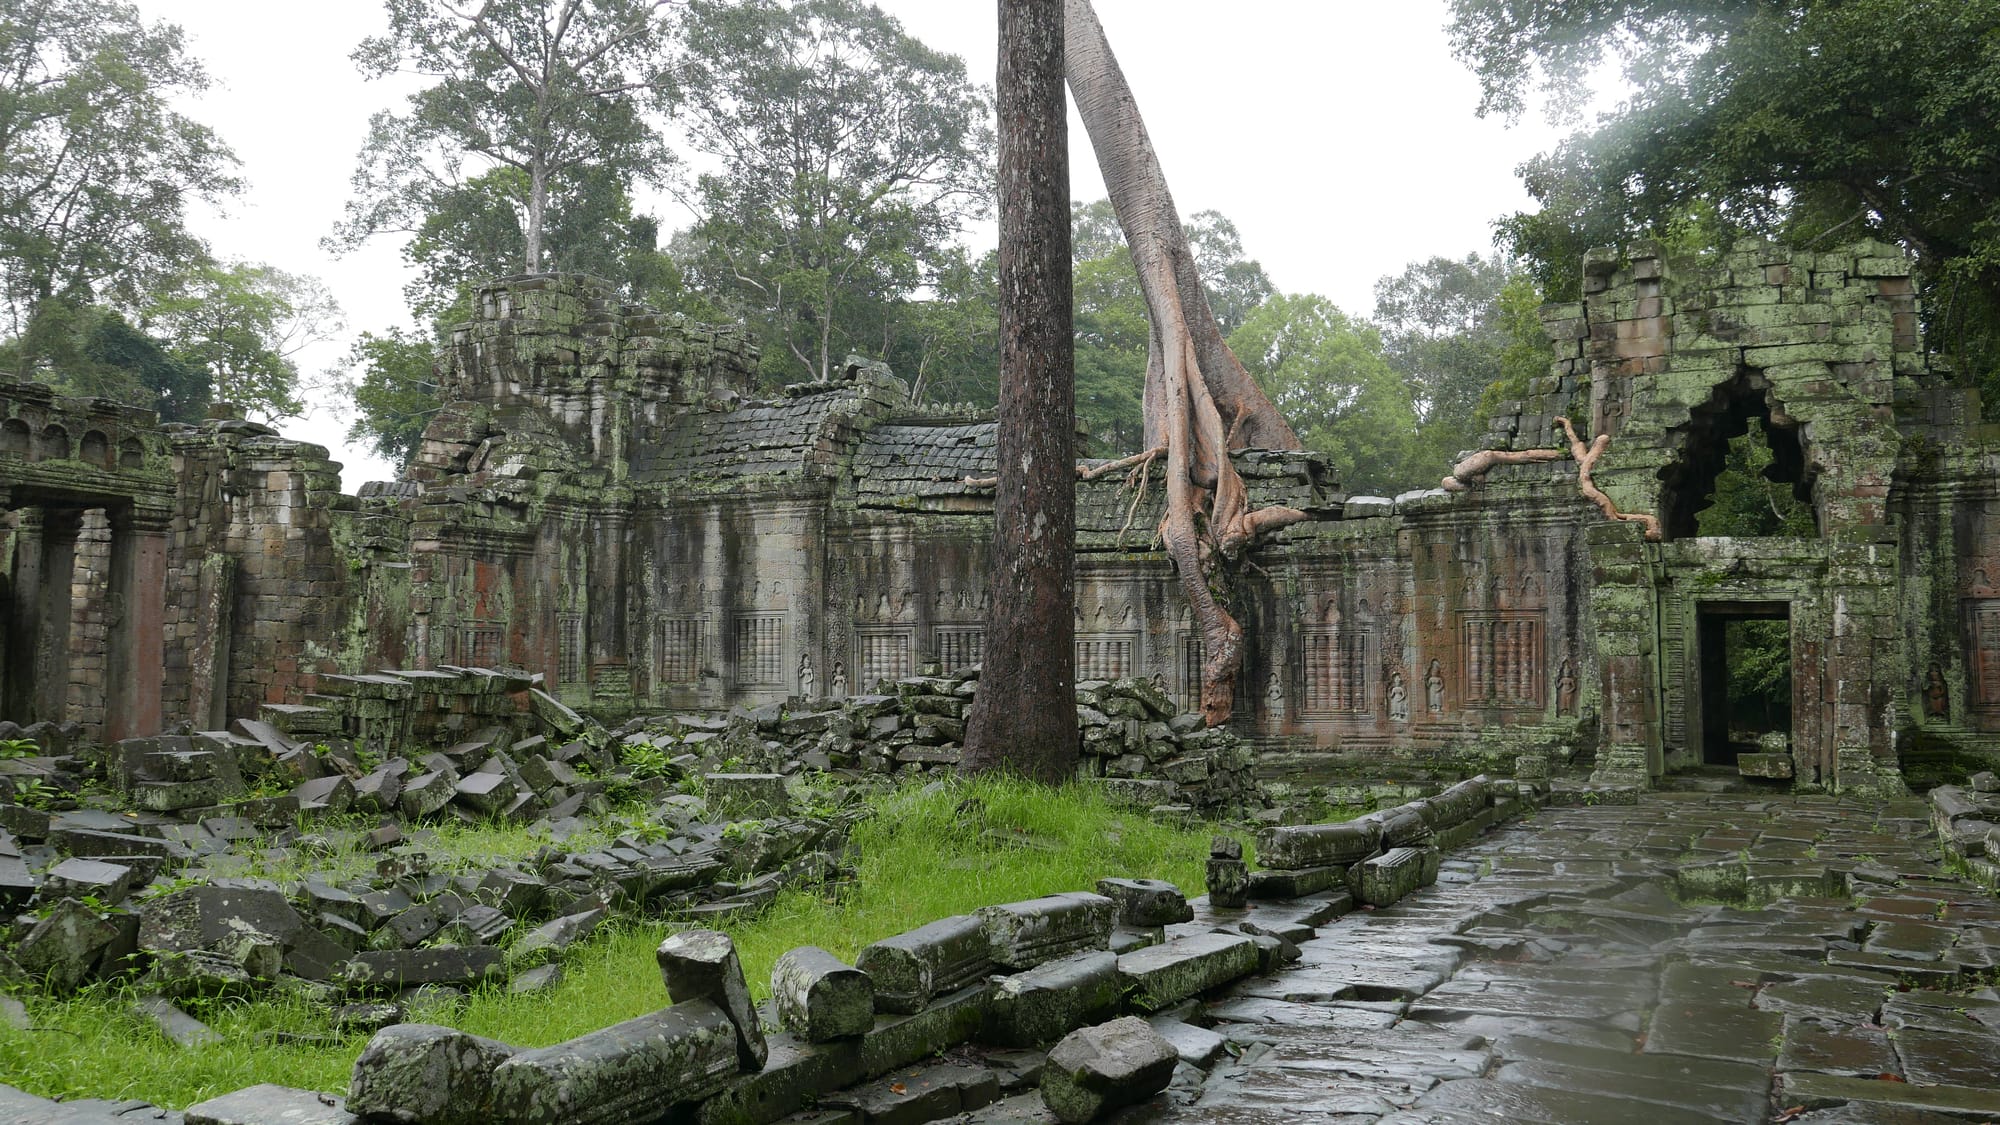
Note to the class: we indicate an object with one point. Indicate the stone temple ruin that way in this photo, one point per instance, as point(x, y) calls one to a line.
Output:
point(602, 502)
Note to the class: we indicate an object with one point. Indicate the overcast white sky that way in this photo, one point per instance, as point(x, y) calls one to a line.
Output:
point(1338, 134)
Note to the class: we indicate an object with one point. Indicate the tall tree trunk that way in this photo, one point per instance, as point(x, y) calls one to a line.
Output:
point(1023, 719)
point(1199, 401)
point(538, 202)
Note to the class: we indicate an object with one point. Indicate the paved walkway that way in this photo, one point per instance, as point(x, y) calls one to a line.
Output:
point(1581, 967)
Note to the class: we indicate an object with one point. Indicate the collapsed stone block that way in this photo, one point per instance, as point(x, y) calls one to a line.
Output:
point(384, 969)
point(1387, 878)
point(1146, 903)
point(702, 965)
point(1025, 934)
point(1228, 875)
point(1098, 1069)
point(421, 1074)
point(270, 1104)
point(820, 997)
point(631, 1071)
point(1318, 845)
point(1163, 975)
point(747, 794)
point(910, 968)
point(66, 946)
point(1050, 1000)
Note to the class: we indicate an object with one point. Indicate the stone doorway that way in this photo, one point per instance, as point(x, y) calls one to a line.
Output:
point(1746, 679)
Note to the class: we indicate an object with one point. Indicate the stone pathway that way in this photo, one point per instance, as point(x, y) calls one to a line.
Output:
point(1582, 967)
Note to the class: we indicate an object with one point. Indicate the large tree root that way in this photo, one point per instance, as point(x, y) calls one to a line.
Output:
point(1471, 471)
point(1586, 460)
point(1199, 401)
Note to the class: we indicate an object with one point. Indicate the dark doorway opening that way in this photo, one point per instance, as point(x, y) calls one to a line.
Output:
point(1742, 468)
point(1746, 677)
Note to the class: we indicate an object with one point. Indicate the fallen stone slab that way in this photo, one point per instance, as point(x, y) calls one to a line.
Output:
point(181, 1029)
point(1197, 1046)
point(1049, 1001)
point(1025, 934)
point(65, 947)
point(914, 1098)
point(1162, 975)
point(702, 965)
point(269, 1104)
point(752, 794)
point(1387, 878)
point(109, 883)
point(383, 969)
point(1318, 845)
point(202, 917)
point(1279, 883)
point(632, 1071)
point(552, 939)
point(818, 996)
point(797, 1073)
point(1146, 903)
point(417, 1072)
point(1098, 1069)
point(911, 967)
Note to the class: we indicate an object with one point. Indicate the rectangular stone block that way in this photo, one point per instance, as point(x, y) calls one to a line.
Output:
point(1317, 845)
point(1295, 883)
point(1025, 934)
point(445, 964)
point(1160, 976)
point(631, 1071)
point(1049, 1001)
point(910, 968)
point(1388, 877)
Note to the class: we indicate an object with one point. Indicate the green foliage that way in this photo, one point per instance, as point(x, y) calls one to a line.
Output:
point(242, 326)
point(548, 105)
point(1326, 374)
point(1813, 123)
point(1749, 502)
point(645, 761)
point(851, 156)
point(949, 344)
point(1453, 329)
point(94, 351)
point(99, 168)
point(19, 748)
point(392, 379)
point(1760, 675)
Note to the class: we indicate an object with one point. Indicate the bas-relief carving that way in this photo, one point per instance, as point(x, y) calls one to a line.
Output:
point(1566, 689)
point(1937, 694)
point(1399, 698)
point(808, 681)
point(1434, 688)
point(838, 689)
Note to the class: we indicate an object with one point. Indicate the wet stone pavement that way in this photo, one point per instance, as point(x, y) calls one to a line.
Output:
point(1694, 958)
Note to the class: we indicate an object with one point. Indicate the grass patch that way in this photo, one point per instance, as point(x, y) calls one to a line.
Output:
point(928, 852)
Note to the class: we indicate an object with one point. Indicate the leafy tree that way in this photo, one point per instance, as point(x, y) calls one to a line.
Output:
point(1444, 332)
point(474, 233)
point(99, 168)
point(395, 391)
point(1328, 376)
point(851, 155)
point(554, 94)
point(1811, 122)
point(1747, 501)
point(949, 345)
point(244, 326)
point(92, 350)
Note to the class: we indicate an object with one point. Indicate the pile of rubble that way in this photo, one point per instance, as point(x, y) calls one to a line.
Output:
point(1966, 819)
point(1133, 742)
point(149, 893)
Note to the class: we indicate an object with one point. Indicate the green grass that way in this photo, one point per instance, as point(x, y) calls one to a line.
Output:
point(929, 852)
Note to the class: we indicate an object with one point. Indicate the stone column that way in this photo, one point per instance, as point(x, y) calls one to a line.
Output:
point(610, 654)
point(136, 658)
point(50, 667)
point(23, 618)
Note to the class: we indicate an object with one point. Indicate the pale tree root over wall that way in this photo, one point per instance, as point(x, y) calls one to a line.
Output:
point(1200, 403)
point(1473, 469)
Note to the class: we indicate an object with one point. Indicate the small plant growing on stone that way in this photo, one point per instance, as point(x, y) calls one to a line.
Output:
point(34, 792)
point(19, 748)
point(647, 762)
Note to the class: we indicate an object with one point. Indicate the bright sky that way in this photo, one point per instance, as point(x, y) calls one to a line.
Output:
point(1339, 135)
